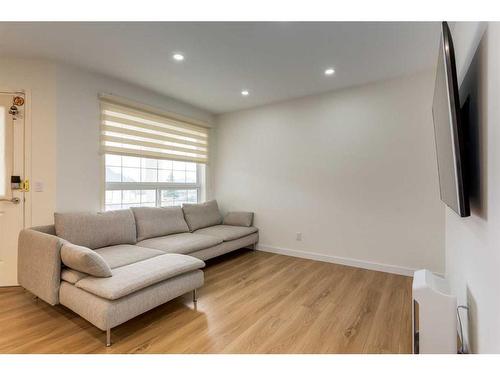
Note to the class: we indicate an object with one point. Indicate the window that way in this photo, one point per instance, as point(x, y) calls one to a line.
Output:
point(132, 182)
point(151, 159)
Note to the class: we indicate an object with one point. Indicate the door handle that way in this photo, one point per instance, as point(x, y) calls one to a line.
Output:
point(14, 200)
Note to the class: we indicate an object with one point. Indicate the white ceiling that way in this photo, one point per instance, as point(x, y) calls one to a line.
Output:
point(274, 61)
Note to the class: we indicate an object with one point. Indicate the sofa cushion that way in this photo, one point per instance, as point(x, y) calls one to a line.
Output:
point(84, 260)
point(243, 219)
point(72, 276)
point(201, 215)
point(226, 247)
point(181, 243)
point(94, 230)
point(122, 255)
point(227, 232)
point(156, 222)
point(137, 276)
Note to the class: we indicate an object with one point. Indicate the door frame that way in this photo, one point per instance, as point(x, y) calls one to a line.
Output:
point(27, 149)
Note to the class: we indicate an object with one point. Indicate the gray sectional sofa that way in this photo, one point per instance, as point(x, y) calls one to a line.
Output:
point(110, 267)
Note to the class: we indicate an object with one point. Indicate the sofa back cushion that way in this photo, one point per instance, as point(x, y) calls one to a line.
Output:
point(156, 222)
point(84, 260)
point(202, 215)
point(95, 230)
point(239, 218)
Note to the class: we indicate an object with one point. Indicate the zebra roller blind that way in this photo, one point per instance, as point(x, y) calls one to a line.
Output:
point(134, 132)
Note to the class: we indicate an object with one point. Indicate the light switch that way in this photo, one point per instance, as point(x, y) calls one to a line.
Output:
point(38, 186)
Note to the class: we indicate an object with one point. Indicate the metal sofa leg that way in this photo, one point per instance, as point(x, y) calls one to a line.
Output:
point(195, 296)
point(108, 337)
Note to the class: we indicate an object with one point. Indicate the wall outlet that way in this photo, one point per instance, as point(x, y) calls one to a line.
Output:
point(298, 237)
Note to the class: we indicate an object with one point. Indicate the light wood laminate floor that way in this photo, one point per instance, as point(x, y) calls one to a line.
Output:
point(252, 302)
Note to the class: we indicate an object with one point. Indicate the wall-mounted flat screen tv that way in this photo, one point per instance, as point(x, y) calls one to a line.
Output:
point(448, 129)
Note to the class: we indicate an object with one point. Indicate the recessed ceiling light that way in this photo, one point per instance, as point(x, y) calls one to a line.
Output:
point(178, 57)
point(329, 71)
point(244, 92)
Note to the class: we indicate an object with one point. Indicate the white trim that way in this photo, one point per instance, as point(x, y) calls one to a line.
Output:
point(103, 181)
point(28, 211)
point(398, 270)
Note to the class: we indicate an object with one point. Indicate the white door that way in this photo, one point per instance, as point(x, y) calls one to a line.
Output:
point(12, 202)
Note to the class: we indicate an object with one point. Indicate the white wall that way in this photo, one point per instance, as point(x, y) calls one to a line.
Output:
point(473, 244)
point(354, 171)
point(65, 130)
point(79, 168)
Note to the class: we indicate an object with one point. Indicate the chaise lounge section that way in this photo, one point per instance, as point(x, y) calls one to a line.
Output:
point(113, 266)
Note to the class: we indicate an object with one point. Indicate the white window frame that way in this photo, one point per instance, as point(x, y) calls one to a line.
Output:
point(158, 186)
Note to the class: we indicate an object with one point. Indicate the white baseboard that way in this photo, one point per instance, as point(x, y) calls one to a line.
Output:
point(390, 268)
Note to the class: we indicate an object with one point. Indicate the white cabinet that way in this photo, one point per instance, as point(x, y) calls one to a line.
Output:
point(434, 315)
